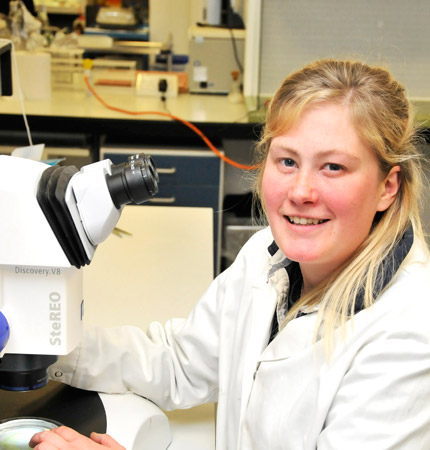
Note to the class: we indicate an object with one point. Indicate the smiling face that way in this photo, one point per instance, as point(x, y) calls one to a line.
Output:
point(321, 188)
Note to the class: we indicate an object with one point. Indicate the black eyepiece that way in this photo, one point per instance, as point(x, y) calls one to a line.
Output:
point(133, 182)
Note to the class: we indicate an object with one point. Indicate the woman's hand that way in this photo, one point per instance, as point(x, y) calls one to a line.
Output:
point(64, 438)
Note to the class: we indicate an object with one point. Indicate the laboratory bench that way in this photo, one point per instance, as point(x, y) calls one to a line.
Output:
point(80, 114)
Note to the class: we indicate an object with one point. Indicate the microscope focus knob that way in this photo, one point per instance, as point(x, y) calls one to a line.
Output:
point(4, 331)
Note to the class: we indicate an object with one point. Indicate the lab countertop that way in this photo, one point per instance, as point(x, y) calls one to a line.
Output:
point(53, 121)
point(422, 110)
point(190, 107)
point(80, 104)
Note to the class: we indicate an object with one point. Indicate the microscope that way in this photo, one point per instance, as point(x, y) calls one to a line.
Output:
point(53, 218)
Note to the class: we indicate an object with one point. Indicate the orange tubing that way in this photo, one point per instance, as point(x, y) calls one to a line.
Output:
point(184, 122)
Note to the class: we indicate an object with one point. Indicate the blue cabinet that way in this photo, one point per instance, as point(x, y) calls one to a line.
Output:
point(187, 178)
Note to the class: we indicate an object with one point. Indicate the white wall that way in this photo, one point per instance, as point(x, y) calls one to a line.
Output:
point(170, 17)
point(394, 33)
point(176, 16)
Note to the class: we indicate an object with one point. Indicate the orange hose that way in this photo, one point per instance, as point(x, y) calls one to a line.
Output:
point(184, 122)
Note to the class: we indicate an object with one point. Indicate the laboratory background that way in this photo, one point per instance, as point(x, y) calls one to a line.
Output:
point(184, 84)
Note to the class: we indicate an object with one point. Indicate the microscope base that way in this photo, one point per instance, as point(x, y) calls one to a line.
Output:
point(133, 421)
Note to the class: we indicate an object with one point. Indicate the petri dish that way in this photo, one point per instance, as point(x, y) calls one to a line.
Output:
point(15, 434)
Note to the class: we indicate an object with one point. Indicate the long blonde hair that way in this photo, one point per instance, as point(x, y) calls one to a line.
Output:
point(383, 118)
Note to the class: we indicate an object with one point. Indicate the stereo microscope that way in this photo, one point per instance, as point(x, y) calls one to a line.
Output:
point(53, 219)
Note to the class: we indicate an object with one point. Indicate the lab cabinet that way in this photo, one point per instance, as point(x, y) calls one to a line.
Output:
point(187, 178)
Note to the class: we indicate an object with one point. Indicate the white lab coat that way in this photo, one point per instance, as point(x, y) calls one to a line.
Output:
point(374, 392)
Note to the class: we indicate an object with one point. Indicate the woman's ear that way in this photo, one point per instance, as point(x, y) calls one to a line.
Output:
point(391, 186)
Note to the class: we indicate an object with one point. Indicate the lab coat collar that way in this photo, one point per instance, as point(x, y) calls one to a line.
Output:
point(298, 334)
point(386, 271)
point(277, 259)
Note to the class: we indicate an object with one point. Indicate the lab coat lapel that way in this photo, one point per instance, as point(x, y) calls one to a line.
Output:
point(263, 305)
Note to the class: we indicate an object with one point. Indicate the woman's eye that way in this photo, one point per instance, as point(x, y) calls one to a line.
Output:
point(334, 167)
point(288, 162)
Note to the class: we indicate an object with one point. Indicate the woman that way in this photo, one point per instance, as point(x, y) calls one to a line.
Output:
point(318, 335)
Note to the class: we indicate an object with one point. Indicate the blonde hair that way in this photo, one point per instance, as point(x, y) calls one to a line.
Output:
point(383, 118)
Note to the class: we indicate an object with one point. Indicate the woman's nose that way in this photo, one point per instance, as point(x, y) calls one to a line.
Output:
point(303, 188)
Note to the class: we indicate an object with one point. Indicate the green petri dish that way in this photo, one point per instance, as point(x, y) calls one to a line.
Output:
point(15, 434)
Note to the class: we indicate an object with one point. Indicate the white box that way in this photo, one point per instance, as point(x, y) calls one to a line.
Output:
point(149, 84)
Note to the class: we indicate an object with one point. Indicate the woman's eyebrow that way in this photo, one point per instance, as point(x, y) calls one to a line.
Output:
point(320, 154)
point(285, 148)
point(337, 152)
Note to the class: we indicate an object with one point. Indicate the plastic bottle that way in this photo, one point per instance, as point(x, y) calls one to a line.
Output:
point(235, 93)
point(88, 65)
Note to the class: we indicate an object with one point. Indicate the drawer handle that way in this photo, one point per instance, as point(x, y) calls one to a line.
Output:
point(167, 170)
point(163, 200)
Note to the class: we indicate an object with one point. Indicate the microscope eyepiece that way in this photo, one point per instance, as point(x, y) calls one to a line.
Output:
point(133, 182)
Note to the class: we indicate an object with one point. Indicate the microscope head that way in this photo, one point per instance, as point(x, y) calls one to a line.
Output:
point(53, 218)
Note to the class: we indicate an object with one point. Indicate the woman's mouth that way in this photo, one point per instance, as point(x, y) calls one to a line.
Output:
point(304, 221)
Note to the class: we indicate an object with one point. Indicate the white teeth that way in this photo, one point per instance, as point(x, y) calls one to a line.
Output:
point(304, 221)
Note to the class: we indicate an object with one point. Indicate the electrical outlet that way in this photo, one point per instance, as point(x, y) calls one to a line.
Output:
point(151, 84)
